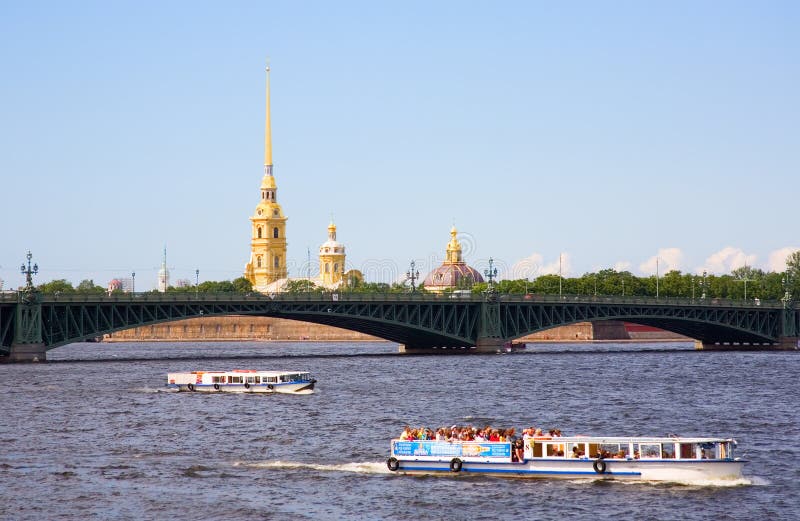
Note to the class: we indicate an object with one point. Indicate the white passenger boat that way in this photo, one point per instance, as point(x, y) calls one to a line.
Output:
point(243, 381)
point(658, 459)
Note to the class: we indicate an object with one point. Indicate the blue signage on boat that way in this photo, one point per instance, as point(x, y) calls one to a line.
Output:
point(452, 450)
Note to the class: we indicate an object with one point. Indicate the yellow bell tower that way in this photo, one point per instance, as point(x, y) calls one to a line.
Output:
point(331, 260)
point(268, 225)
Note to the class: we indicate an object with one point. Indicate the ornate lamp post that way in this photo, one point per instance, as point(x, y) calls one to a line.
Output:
point(623, 286)
point(413, 275)
point(705, 285)
point(196, 283)
point(691, 277)
point(491, 273)
point(786, 281)
point(133, 282)
point(29, 272)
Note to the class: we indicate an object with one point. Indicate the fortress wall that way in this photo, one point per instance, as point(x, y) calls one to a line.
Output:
point(248, 328)
point(236, 328)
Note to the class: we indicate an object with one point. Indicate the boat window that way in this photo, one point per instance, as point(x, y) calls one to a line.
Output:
point(575, 450)
point(251, 379)
point(668, 450)
point(708, 450)
point(613, 450)
point(235, 379)
point(555, 450)
point(649, 450)
point(217, 379)
point(537, 449)
point(270, 379)
point(687, 451)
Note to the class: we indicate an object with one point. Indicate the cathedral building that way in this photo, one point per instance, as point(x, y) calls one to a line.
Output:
point(267, 263)
point(331, 260)
point(454, 273)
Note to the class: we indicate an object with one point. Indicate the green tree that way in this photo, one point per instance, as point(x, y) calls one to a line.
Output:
point(56, 286)
point(242, 285)
point(302, 286)
point(793, 264)
point(89, 287)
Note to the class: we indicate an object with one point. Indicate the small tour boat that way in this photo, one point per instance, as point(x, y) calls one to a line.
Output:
point(649, 459)
point(243, 381)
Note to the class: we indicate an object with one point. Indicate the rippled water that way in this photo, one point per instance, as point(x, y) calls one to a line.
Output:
point(93, 435)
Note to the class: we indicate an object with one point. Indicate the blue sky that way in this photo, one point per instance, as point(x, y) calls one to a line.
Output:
point(609, 133)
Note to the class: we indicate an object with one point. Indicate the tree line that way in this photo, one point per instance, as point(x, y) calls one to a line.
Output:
point(745, 282)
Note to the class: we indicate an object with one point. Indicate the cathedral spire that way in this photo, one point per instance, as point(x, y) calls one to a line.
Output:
point(268, 135)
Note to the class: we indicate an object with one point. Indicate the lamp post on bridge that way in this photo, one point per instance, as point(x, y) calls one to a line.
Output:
point(786, 281)
point(196, 283)
point(413, 275)
point(491, 273)
point(691, 277)
point(29, 272)
point(705, 285)
point(133, 282)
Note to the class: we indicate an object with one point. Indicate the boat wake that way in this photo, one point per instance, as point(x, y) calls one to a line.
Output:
point(692, 483)
point(367, 467)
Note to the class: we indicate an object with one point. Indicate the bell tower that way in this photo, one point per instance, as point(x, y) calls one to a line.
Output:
point(268, 225)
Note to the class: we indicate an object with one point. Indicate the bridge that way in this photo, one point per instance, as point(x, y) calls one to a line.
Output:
point(32, 323)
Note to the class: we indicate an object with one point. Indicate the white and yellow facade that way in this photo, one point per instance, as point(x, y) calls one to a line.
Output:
point(267, 263)
point(331, 260)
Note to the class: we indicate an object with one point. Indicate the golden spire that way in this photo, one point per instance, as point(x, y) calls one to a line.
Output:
point(268, 135)
point(453, 248)
point(332, 231)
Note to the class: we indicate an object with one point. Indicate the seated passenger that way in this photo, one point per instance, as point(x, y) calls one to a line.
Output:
point(575, 452)
point(406, 435)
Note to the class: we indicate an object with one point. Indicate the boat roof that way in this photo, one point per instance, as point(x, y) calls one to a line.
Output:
point(609, 439)
point(635, 439)
point(244, 371)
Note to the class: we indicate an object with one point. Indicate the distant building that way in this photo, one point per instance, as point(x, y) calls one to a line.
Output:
point(267, 263)
point(454, 273)
point(163, 274)
point(183, 283)
point(331, 260)
point(114, 285)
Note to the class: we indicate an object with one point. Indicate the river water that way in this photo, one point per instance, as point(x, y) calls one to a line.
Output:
point(92, 434)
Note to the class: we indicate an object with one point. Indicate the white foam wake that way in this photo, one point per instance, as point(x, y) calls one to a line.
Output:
point(366, 467)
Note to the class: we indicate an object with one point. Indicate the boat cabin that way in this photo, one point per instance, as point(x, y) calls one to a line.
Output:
point(630, 448)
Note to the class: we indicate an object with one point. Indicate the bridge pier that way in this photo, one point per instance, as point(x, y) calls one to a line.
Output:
point(26, 353)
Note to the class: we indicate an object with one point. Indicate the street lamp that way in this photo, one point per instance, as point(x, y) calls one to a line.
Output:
point(133, 282)
point(623, 286)
point(786, 281)
point(656, 277)
point(196, 282)
point(29, 272)
point(413, 275)
point(705, 285)
point(491, 273)
point(691, 277)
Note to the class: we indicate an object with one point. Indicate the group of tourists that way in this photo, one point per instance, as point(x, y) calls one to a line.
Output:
point(460, 433)
point(472, 433)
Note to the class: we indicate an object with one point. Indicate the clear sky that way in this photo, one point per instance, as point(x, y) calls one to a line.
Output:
point(610, 132)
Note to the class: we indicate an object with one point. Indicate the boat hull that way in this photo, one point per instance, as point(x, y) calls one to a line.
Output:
point(633, 470)
point(306, 387)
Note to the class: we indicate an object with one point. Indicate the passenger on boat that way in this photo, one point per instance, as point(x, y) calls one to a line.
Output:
point(406, 434)
point(519, 451)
